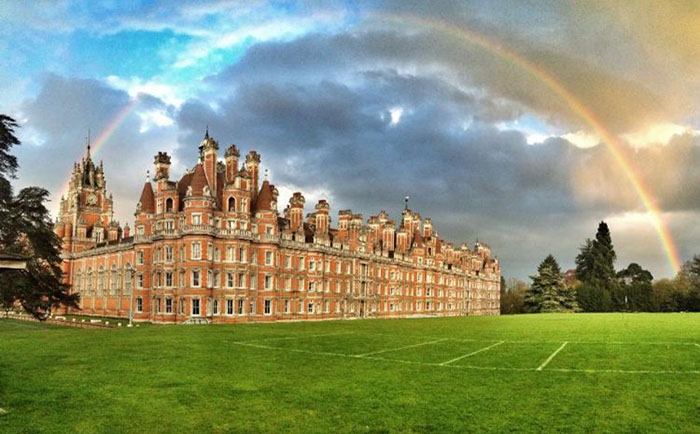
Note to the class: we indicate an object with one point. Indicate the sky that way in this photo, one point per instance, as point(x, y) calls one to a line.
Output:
point(520, 123)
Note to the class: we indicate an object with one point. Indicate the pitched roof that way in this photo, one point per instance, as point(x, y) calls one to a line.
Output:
point(417, 239)
point(262, 203)
point(148, 200)
point(199, 180)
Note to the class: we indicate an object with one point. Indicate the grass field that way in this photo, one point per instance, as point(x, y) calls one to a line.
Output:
point(530, 373)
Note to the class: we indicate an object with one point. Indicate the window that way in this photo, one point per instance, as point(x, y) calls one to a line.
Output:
point(231, 224)
point(288, 261)
point(229, 254)
point(196, 219)
point(139, 257)
point(183, 306)
point(268, 282)
point(159, 307)
point(168, 254)
point(241, 280)
point(311, 286)
point(268, 230)
point(169, 205)
point(311, 307)
point(195, 307)
point(252, 307)
point(168, 278)
point(229, 306)
point(268, 307)
point(168, 305)
point(195, 278)
point(286, 306)
point(229, 280)
point(268, 258)
point(139, 304)
point(196, 250)
point(210, 251)
point(242, 255)
point(312, 265)
point(301, 306)
point(140, 230)
point(139, 281)
point(231, 204)
point(301, 262)
point(240, 306)
point(216, 307)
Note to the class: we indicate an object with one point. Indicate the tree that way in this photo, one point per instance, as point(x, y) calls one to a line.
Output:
point(595, 268)
point(547, 292)
point(26, 229)
point(513, 297)
point(636, 287)
point(688, 281)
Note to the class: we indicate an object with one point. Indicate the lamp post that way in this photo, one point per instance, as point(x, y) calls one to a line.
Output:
point(131, 271)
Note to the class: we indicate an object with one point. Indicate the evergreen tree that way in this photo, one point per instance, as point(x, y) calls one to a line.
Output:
point(595, 268)
point(26, 229)
point(547, 293)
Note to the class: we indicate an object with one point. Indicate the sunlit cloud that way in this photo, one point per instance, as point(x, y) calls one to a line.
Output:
point(657, 134)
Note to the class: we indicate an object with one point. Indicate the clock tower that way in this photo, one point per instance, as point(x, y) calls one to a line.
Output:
point(86, 211)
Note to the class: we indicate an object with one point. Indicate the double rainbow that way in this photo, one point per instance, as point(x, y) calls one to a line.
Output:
point(608, 138)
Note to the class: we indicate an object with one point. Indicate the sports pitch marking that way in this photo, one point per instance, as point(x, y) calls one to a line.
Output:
point(471, 354)
point(549, 359)
point(543, 342)
point(541, 368)
point(301, 336)
point(400, 348)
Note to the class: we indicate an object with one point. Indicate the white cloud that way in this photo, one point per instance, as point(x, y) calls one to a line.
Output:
point(656, 134)
point(582, 139)
point(135, 85)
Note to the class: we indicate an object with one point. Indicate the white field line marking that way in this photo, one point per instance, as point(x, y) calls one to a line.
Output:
point(697, 345)
point(471, 354)
point(293, 350)
point(361, 332)
point(297, 337)
point(549, 359)
point(400, 348)
point(468, 367)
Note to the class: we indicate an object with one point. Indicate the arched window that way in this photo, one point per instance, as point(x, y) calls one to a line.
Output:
point(231, 204)
point(169, 204)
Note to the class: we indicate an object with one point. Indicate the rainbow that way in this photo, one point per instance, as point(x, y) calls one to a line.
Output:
point(106, 133)
point(608, 138)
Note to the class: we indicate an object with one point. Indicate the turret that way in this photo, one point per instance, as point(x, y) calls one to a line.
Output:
point(231, 157)
point(252, 166)
point(427, 228)
point(322, 218)
point(296, 211)
point(207, 151)
point(162, 163)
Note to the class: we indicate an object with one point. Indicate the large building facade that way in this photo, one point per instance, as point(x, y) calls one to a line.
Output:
point(212, 247)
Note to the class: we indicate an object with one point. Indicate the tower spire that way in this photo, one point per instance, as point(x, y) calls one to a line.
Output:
point(206, 134)
point(87, 140)
point(406, 200)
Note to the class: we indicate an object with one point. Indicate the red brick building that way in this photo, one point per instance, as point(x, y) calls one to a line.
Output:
point(212, 247)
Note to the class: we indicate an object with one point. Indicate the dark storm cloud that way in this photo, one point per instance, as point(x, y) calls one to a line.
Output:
point(318, 108)
point(622, 103)
point(54, 137)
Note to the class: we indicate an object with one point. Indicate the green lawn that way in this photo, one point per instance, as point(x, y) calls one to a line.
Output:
point(617, 373)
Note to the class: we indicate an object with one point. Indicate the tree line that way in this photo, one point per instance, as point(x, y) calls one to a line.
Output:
point(595, 285)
